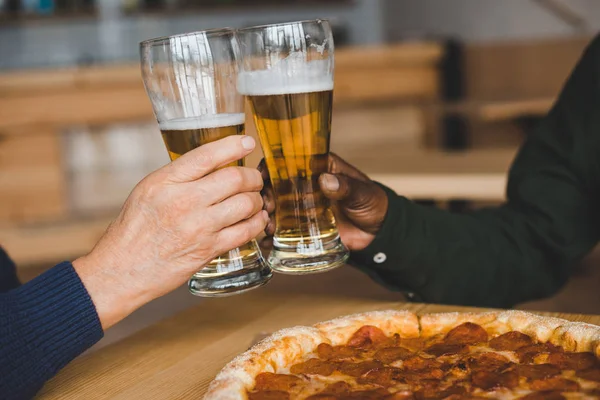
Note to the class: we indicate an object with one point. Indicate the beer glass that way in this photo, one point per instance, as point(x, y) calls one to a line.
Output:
point(191, 82)
point(287, 76)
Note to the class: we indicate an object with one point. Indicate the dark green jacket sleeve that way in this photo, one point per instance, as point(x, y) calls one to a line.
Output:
point(522, 250)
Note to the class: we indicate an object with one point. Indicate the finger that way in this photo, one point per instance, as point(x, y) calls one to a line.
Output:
point(262, 168)
point(349, 192)
point(242, 232)
point(268, 199)
point(235, 209)
point(338, 166)
point(266, 242)
point(209, 157)
point(227, 182)
point(270, 228)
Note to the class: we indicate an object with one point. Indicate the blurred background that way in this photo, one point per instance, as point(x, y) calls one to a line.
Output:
point(432, 97)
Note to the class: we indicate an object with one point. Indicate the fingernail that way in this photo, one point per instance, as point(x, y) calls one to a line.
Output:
point(248, 142)
point(331, 183)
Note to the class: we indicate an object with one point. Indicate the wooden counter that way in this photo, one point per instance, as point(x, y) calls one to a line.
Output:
point(177, 358)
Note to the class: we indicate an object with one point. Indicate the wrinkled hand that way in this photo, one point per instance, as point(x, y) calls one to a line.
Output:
point(360, 205)
point(174, 222)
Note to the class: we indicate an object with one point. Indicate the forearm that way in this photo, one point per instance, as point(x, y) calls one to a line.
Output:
point(44, 324)
point(525, 248)
point(496, 257)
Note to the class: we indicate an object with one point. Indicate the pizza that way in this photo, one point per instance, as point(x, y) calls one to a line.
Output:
point(397, 355)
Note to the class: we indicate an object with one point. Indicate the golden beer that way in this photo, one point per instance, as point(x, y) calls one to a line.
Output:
point(191, 81)
point(287, 76)
point(294, 126)
point(294, 130)
point(183, 135)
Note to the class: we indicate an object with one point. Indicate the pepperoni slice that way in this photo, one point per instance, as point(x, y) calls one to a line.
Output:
point(414, 344)
point(376, 394)
point(467, 333)
point(433, 392)
point(419, 377)
point(358, 369)
point(337, 389)
point(391, 354)
point(576, 361)
point(443, 349)
point(593, 392)
point(528, 353)
point(537, 371)
point(418, 363)
point(488, 361)
point(269, 395)
point(369, 336)
point(487, 380)
point(592, 374)
point(543, 396)
point(511, 341)
point(322, 397)
point(314, 366)
point(328, 352)
point(403, 395)
point(556, 383)
point(380, 376)
point(276, 382)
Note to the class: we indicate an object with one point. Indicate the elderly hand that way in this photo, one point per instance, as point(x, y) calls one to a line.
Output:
point(174, 222)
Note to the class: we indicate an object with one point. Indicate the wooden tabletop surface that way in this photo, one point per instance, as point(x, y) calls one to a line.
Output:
point(177, 358)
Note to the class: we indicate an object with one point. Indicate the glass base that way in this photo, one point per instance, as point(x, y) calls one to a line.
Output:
point(289, 261)
point(230, 275)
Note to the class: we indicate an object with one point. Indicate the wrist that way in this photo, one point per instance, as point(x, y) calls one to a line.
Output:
point(113, 296)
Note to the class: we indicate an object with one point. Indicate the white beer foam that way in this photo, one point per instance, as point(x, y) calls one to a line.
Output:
point(287, 77)
point(204, 122)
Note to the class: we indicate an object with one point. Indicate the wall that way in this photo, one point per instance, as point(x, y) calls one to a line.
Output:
point(115, 38)
point(482, 20)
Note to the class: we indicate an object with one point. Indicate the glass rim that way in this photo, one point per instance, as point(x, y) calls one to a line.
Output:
point(208, 32)
point(258, 27)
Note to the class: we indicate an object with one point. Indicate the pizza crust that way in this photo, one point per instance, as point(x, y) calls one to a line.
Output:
point(289, 346)
point(339, 330)
point(275, 353)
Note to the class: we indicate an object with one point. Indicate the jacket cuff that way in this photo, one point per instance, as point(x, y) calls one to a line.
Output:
point(52, 321)
point(377, 254)
point(383, 260)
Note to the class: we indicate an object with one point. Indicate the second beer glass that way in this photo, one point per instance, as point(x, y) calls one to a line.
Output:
point(191, 82)
point(287, 76)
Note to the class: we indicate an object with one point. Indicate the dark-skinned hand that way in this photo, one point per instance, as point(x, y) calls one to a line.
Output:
point(359, 204)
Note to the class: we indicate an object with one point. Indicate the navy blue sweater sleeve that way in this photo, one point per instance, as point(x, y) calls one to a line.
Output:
point(8, 273)
point(44, 324)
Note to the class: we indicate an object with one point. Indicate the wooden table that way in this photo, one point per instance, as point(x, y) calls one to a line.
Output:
point(177, 358)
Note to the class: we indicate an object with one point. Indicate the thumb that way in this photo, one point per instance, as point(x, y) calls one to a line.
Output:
point(350, 193)
point(363, 203)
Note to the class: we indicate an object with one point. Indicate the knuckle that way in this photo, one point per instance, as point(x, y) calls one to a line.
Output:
point(247, 233)
point(248, 203)
point(257, 178)
point(203, 159)
point(148, 188)
point(234, 176)
point(257, 200)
